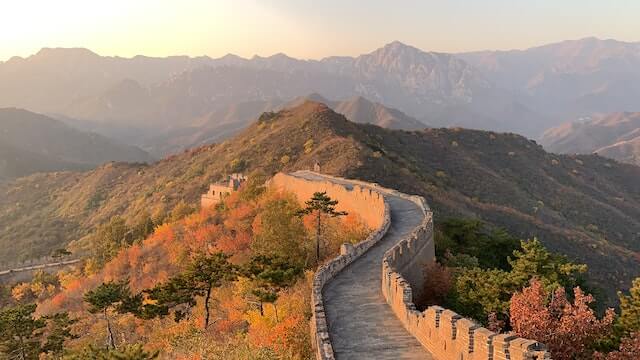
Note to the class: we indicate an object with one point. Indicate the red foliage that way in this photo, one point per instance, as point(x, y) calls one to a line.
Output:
point(437, 284)
point(566, 328)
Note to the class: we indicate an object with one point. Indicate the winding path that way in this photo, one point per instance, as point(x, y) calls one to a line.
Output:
point(361, 323)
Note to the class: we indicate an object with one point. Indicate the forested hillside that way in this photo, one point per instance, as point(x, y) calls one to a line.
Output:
point(586, 207)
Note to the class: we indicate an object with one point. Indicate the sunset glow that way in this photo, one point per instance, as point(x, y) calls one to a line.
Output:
point(302, 28)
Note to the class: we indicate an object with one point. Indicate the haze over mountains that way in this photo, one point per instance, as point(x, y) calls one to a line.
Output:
point(614, 135)
point(32, 143)
point(144, 101)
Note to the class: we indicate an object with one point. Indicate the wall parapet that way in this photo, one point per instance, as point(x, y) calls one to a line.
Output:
point(444, 333)
point(374, 209)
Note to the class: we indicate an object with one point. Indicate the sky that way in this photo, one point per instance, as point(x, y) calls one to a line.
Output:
point(304, 28)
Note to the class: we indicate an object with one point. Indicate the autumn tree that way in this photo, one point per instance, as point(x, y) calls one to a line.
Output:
point(278, 231)
point(203, 274)
point(479, 292)
point(437, 284)
point(20, 333)
point(318, 205)
point(111, 296)
point(269, 275)
point(126, 352)
point(566, 328)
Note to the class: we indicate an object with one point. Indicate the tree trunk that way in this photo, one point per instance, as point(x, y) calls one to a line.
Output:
point(261, 309)
point(111, 344)
point(318, 240)
point(23, 355)
point(206, 307)
point(275, 308)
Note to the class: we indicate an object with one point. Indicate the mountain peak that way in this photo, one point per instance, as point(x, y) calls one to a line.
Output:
point(396, 47)
point(58, 52)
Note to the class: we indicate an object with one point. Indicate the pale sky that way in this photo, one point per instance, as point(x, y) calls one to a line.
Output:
point(304, 28)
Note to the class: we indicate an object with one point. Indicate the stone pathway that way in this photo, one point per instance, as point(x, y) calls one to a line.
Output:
point(361, 323)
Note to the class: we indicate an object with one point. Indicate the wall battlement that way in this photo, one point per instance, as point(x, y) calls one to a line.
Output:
point(445, 334)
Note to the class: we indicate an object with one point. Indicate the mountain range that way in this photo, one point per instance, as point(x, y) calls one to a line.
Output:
point(586, 207)
point(140, 100)
point(32, 143)
point(614, 135)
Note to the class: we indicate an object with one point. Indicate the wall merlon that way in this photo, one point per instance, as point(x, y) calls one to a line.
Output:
point(442, 332)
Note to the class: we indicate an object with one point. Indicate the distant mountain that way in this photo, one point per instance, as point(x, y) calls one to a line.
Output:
point(569, 79)
point(586, 207)
point(223, 123)
point(614, 135)
point(360, 110)
point(159, 95)
point(523, 91)
point(31, 143)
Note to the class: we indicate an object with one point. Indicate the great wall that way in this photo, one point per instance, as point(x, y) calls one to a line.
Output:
point(23, 271)
point(352, 319)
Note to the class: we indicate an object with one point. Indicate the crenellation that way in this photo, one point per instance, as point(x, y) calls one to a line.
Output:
point(442, 332)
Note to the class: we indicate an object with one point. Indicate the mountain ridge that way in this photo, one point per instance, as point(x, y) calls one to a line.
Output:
point(33, 142)
point(583, 206)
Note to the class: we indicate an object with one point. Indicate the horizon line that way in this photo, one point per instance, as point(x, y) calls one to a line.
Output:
point(254, 56)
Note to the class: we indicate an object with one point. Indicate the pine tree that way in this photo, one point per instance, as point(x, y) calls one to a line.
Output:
point(111, 296)
point(270, 274)
point(20, 333)
point(203, 274)
point(629, 320)
point(320, 204)
point(58, 331)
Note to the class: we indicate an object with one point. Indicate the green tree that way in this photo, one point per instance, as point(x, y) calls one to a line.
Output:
point(58, 331)
point(109, 238)
point(278, 231)
point(143, 227)
point(479, 292)
point(320, 204)
point(270, 275)
point(180, 211)
point(253, 187)
point(629, 320)
point(553, 270)
point(20, 333)
point(202, 275)
point(490, 246)
point(111, 296)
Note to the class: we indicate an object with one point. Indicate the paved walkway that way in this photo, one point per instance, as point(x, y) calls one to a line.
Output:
point(361, 323)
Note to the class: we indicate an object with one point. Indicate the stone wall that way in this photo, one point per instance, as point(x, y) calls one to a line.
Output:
point(373, 209)
point(354, 198)
point(444, 333)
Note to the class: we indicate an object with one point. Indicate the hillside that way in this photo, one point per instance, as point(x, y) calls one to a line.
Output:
point(227, 121)
point(31, 143)
point(584, 206)
point(614, 135)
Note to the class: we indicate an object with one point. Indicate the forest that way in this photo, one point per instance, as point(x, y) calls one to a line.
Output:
point(231, 282)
